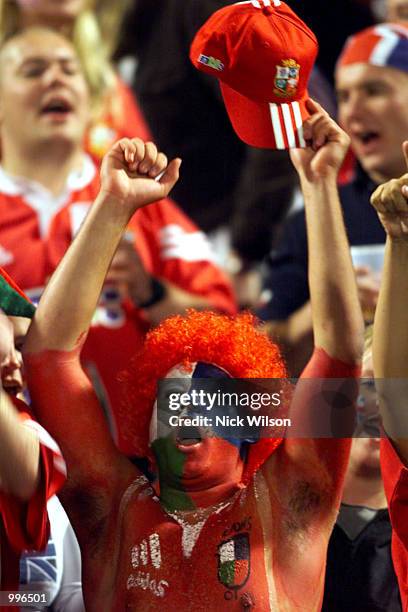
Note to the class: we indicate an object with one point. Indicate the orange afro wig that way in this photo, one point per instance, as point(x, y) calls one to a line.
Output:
point(232, 343)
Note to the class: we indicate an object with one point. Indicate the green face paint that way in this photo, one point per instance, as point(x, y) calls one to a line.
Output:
point(170, 463)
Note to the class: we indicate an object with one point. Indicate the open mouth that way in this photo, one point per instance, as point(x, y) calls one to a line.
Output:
point(57, 107)
point(188, 436)
point(368, 137)
point(12, 388)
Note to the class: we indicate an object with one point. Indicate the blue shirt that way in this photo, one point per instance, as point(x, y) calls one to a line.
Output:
point(287, 265)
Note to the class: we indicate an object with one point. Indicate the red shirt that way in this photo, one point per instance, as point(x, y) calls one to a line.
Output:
point(395, 476)
point(266, 546)
point(24, 525)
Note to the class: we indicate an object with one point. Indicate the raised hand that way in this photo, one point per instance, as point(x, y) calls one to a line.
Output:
point(136, 173)
point(391, 203)
point(327, 146)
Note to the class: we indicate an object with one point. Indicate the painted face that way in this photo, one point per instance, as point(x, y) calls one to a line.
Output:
point(43, 94)
point(372, 110)
point(192, 458)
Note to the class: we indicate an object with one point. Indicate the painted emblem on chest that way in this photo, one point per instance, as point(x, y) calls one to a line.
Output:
point(234, 563)
point(147, 556)
point(287, 78)
point(147, 551)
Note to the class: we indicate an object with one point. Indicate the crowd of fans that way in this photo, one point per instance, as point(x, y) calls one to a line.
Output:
point(107, 285)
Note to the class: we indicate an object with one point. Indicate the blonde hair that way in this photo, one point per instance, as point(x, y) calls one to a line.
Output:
point(94, 35)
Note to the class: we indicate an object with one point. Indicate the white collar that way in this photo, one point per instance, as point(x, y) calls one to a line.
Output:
point(19, 185)
point(40, 198)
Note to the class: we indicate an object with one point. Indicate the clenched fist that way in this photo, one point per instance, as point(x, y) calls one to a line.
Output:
point(136, 174)
point(391, 203)
point(327, 145)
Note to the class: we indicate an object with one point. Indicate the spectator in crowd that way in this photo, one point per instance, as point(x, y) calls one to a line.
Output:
point(390, 352)
point(43, 113)
point(230, 185)
point(360, 576)
point(372, 88)
point(55, 572)
point(31, 466)
point(167, 550)
point(115, 112)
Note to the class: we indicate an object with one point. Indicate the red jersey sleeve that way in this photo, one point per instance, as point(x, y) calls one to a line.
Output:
point(395, 477)
point(173, 248)
point(26, 523)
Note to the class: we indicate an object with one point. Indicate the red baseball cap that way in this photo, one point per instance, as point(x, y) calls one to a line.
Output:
point(262, 54)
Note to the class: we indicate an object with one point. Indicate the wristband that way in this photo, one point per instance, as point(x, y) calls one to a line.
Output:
point(158, 293)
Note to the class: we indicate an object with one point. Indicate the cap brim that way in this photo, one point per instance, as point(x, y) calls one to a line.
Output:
point(266, 125)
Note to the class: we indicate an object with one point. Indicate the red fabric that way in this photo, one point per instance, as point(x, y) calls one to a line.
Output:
point(395, 476)
point(262, 55)
point(24, 250)
point(24, 525)
point(347, 171)
point(12, 284)
point(281, 521)
point(124, 121)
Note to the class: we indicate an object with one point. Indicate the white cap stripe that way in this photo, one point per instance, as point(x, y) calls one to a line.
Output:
point(287, 118)
point(298, 123)
point(277, 128)
point(383, 49)
point(257, 3)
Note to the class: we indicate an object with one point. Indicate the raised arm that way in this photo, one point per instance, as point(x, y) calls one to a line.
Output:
point(133, 174)
point(337, 318)
point(319, 463)
point(70, 298)
point(390, 342)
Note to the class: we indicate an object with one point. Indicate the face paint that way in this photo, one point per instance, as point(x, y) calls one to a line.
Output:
point(187, 379)
point(192, 461)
